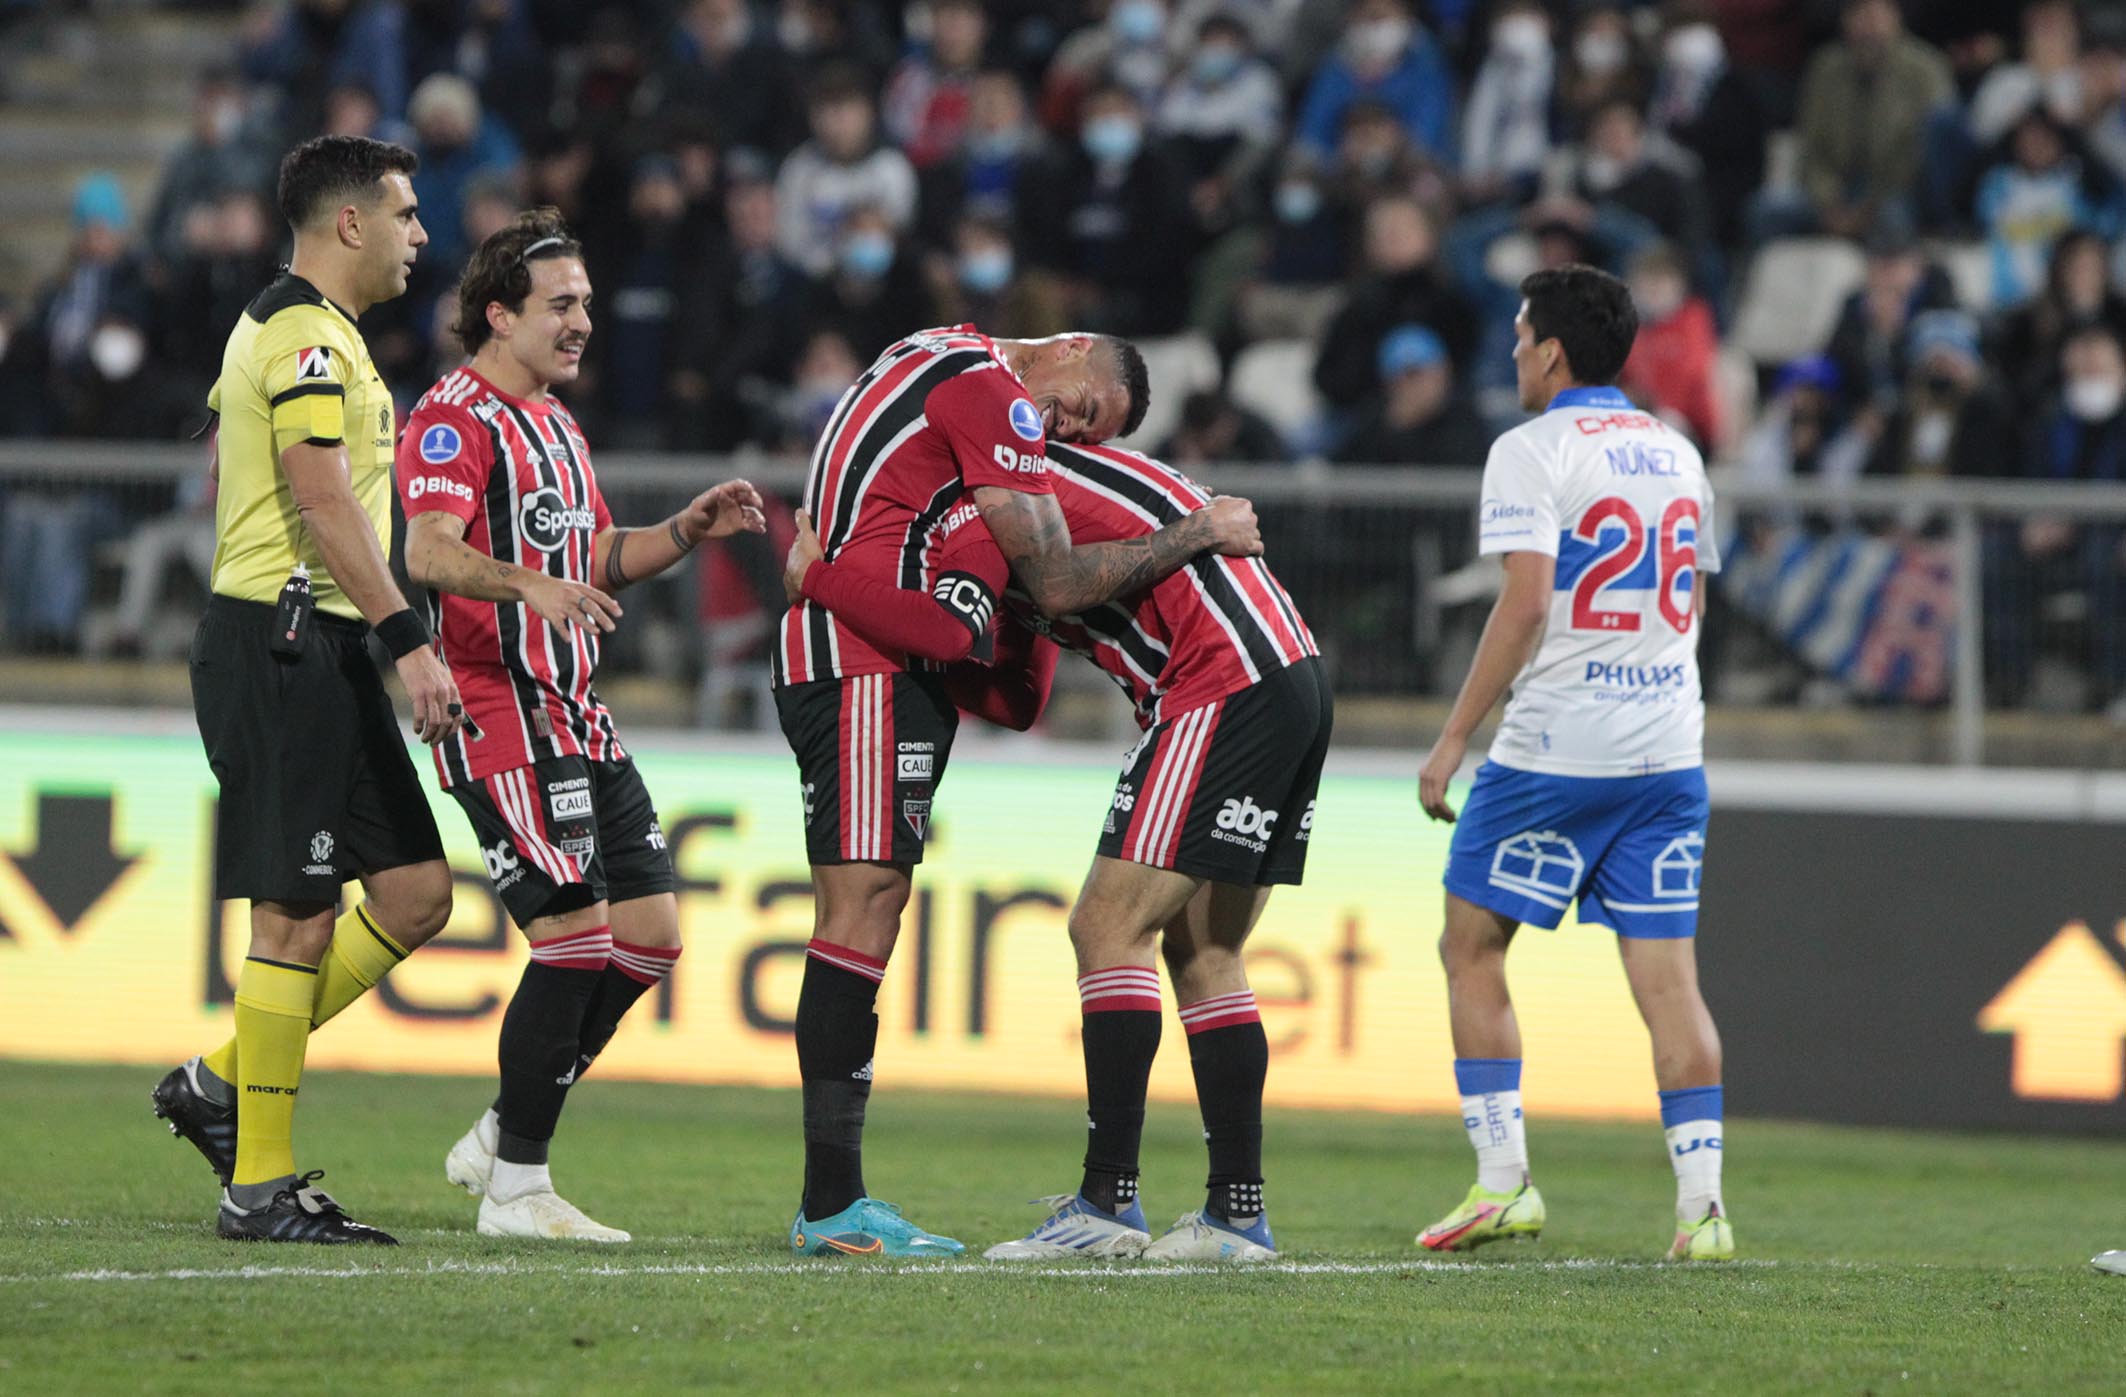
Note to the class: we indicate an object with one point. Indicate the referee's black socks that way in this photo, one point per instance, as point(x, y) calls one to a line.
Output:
point(837, 1032)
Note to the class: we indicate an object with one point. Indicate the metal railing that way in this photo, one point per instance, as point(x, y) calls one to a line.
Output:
point(1358, 519)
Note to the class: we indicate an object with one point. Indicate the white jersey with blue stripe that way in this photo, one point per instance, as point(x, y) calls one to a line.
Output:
point(1621, 501)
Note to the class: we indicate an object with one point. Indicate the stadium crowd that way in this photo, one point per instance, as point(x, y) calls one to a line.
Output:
point(771, 192)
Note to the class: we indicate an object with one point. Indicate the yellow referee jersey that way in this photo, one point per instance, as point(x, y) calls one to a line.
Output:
point(295, 370)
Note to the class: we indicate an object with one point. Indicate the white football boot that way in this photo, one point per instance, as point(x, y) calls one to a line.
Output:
point(471, 1162)
point(545, 1214)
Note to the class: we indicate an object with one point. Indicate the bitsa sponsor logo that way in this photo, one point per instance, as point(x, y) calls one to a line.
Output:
point(1023, 462)
point(422, 486)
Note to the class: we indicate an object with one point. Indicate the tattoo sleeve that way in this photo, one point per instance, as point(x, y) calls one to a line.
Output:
point(438, 557)
point(1031, 533)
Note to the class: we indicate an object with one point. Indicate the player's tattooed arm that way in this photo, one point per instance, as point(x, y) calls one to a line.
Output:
point(1062, 579)
point(438, 556)
point(622, 557)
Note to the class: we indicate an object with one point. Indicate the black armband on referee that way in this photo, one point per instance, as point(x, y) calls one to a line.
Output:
point(402, 632)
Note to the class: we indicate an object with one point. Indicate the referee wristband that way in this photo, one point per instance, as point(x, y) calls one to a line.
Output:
point(402, 632)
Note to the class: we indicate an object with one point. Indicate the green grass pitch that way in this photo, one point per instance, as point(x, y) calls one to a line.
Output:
point(1877, 1261)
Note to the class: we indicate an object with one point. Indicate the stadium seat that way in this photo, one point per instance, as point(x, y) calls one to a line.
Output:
point(1276, 380)
point(1737, 377)
point(1179, 365)
point(1792, 297)
point(1970, 268)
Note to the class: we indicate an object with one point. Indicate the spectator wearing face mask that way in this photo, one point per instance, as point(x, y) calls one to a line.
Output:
point(1419, 419)
point(1705, 105)
point(2077, 292)
point(1222, 115)
point(1954, 419)
point(843, 167)
point(981, 281)
point(927, 98)
point(102, 284)
point(1125, 233)
point(875, 294)
point(1128, 48)
point(1801, 433)
point(2028, 200)
point(1387, 56)
point(1622, 165)
point(1001, 156)
point(1602, 64)
point(2082, 437)
point(1506, 122)
point(1674, 367)
point(220, 154)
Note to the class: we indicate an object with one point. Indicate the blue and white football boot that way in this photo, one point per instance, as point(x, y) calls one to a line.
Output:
point(1198, 1236)
point(1074, 1228)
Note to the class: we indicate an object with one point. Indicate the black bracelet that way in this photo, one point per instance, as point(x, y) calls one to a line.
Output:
point(678, 539)
point(402, 632)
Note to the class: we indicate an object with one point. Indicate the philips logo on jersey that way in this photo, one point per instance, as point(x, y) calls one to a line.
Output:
point(1025, 419)
point(424, 485)
point(1636, 676)
point(544, 519)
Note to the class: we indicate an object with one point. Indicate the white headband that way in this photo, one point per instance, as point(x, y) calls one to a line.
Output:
point(526, 255)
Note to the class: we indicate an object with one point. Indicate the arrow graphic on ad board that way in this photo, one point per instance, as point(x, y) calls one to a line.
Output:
point(71, 864)
point(2067, 1010)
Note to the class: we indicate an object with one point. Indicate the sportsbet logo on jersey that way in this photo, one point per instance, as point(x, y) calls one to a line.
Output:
point(544, 519)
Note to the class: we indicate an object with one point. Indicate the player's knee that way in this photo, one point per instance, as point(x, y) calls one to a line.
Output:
point(418, 906)
point(1201, 972)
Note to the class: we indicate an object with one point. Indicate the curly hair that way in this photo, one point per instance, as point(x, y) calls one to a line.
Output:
point(500, 270)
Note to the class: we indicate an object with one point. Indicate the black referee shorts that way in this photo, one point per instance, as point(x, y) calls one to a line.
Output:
point(316, 785)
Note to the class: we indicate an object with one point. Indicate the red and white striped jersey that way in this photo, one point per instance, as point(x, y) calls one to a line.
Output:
point(938, 415)
point(518, 471)
point(1212, 628)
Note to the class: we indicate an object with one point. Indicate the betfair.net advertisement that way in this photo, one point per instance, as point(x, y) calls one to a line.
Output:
point(113, 949)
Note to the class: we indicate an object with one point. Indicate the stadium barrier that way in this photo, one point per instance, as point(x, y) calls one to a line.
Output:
point(1913, 591)
point(1864, 963)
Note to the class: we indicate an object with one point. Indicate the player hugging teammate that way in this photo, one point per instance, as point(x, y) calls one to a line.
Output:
point(1215, 806)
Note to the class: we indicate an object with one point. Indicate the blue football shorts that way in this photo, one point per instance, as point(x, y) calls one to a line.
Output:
point(1629, 849)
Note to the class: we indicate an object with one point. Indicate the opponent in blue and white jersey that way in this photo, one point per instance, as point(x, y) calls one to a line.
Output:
point(1595, 791)
point(1620, 499)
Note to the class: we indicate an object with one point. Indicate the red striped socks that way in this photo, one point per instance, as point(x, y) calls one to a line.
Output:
point(1230, 1056)
point(1121, 1031)
point(588, 949)
point(837, 1032)
point(646, 964)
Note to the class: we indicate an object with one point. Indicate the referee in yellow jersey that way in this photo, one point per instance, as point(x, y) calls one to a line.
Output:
point(316, 784)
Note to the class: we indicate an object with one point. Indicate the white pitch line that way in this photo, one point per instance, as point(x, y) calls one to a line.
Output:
point(829, 1267)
